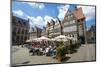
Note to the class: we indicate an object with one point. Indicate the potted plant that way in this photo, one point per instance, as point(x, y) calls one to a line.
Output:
point(61, 51)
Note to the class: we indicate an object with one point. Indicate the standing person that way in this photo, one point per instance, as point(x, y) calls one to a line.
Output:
point(47, 51)
point(40, 50)
point(43, 50)
point(33, 49)
point(52, 50)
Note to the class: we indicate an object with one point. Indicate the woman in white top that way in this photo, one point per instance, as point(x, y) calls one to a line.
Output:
point(47, 51)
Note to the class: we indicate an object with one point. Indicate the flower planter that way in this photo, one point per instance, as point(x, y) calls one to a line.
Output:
point(60, 58)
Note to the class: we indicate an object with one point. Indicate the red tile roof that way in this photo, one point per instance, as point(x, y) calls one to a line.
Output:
point(78, 13)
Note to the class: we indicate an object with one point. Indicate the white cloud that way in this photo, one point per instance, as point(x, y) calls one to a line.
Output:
point(35, 5)
point(31, 20)
point(41, 6)
point(36, 21)
point(89, 12)
point(48, 19)
point(18, 12)
point(40, 21)
point(62, 10)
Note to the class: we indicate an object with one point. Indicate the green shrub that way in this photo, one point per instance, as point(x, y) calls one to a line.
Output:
point(61, 50)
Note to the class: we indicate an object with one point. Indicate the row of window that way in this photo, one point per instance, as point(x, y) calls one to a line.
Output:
point(72, 35)
point(19, 30)
point(70, 22)
point(19, 38)
point(69, 17)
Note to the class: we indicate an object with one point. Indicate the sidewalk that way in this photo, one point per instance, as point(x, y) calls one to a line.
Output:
point(84, 53)
point(22, 56)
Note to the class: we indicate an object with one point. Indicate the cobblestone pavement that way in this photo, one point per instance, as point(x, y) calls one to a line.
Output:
point(84, 53)
point(22, 56)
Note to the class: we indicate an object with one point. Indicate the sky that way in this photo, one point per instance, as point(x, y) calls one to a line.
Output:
point(40, 13)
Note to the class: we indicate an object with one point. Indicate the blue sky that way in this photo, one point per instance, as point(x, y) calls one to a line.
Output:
point(40, 13)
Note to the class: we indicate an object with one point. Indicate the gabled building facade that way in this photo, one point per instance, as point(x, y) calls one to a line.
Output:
point(35, 32)
point(72, 25)
point(20, 29)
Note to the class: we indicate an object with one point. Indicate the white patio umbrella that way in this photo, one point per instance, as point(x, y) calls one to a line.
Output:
point(44, 38)
point(61, 38)
point(27, 40)
point(64, 40)
point(52, 39)
point(36, 40)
